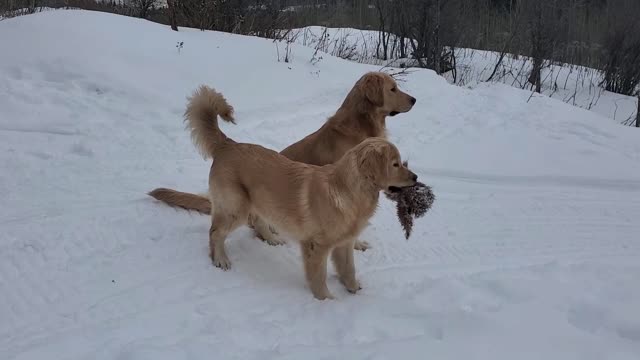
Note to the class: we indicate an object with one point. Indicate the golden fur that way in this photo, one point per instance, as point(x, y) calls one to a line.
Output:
point(362, 115)
point(322, 207)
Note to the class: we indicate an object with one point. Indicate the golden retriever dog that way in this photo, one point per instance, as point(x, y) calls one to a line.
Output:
point(322, 207)
point(362, 115)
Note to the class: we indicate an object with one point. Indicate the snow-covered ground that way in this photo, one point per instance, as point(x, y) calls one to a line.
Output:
point(575, 85)
point(530, 252)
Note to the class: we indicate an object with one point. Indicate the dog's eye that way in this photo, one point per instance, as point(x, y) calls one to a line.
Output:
point(394, 89)
point(396, 164)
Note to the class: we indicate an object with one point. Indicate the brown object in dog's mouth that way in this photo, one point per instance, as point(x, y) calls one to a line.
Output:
point(394, 189)
point(411, 202)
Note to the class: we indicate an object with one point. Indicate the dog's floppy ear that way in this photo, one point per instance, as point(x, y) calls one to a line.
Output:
point(372, 164)
point(373, 87)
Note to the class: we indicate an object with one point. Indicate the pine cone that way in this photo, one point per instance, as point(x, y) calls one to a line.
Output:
point(411, 202)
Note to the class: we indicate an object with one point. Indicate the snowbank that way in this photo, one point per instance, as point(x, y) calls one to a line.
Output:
point(575, 85)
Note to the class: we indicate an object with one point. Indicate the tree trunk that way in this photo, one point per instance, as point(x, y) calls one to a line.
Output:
point(172, 14)
point(638, 113)
point(535, 77)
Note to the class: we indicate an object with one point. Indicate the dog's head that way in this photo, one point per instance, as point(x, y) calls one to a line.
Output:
point(379, 92)
point(378, 161)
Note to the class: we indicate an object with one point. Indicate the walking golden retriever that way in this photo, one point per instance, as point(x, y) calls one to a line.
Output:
point(323, 207)
point(362, 115)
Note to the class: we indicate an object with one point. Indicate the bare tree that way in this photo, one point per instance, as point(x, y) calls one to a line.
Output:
point(544, 19)
point(141, 8)
point(638, 112)
point(513, 32)
point(384, 28)
point(173, 20)
point(622, 49)
point(431, 23)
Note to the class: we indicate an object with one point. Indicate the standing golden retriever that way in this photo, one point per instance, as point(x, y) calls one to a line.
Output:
point(362, 115)
point(324, 208)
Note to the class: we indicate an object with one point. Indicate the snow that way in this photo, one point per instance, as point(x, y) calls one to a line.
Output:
point(575, 85)
point(530, 252)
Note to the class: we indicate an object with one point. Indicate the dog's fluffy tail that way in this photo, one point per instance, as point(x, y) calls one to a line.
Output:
point(182, 200)
point(201, 116)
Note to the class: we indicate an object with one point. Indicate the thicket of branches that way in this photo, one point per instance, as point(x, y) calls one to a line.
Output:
point(601, 34)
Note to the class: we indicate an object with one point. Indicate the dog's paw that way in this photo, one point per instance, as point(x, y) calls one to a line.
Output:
point(353, 286)
point(361, 245)
point(271, 238)
point(274, 241)
point(221, 262)
point(324, 296)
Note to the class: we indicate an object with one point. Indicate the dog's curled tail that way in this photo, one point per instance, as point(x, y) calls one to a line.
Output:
point(201, 117)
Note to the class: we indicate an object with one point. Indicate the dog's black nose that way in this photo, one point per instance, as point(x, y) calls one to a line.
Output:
point(414, 177)
point(413, 101)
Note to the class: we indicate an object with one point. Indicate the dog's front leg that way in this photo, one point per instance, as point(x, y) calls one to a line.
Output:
point(342, 257)
point(362, 245)
point(315, 257)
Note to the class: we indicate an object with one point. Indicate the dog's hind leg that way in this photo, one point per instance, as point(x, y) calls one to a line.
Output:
point(226, 216)
point(315, 257)
point(342, 257)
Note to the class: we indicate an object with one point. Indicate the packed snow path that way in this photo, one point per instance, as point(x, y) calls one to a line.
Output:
point(531, 250)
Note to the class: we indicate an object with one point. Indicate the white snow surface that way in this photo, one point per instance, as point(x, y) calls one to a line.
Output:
point(530, 252)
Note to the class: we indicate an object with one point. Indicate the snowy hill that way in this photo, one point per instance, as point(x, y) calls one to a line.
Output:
point(531, 250)
point(575, 85)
